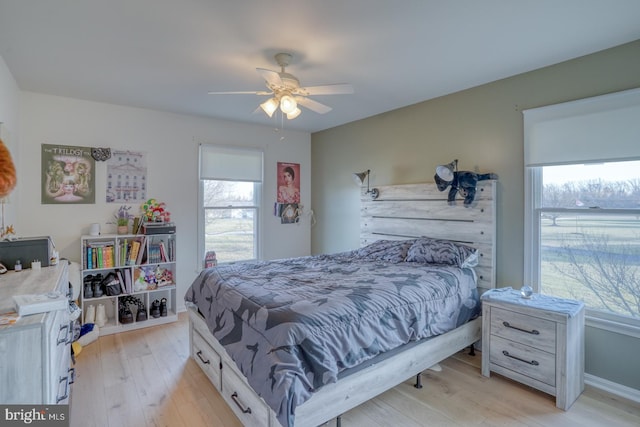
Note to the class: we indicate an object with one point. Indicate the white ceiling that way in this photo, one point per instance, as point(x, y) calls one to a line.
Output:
point(167, 54)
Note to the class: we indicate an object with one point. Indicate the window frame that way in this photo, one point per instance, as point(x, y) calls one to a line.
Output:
point(258, 197)
point(532, 256)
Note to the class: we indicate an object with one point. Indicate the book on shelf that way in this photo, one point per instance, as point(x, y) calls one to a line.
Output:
point(89, 258)
point(123, 285)
point(133, 255)
point(136, 225)
point(128, 280)
point(141, 251)
point(153, 255)
point(163, 251)
point(172, 250)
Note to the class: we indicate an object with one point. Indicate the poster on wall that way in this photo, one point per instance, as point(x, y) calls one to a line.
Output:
point(67, 175)
point(288, 192)
point(127, 177)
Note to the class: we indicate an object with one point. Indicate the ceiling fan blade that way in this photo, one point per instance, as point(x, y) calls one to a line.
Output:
point(313, 105)
point(260, 92)
point(336, 89)
point(271, 77)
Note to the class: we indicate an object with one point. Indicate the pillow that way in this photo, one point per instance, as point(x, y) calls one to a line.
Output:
point(436, 251)
point(386, 250)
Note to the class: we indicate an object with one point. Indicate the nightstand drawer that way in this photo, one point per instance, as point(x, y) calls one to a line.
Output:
point(523, 359)
point(529, 330)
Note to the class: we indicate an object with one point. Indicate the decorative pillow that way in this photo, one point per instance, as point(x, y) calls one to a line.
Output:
point(435, 251)
point(386, 250)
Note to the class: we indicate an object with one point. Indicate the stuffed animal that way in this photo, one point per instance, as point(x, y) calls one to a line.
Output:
point(7, 171)
point(464, 182)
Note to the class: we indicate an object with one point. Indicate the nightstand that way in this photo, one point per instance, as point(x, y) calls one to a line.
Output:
point(537, 341)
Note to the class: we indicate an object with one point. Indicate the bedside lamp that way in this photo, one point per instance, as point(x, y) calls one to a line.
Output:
point(359, 177)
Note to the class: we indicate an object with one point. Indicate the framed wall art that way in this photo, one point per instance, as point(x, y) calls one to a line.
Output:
point(67, 175)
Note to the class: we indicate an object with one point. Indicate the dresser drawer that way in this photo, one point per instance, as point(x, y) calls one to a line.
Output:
point(528, 361)
point(207, 358)
point(61, 387)
point(529, 330)
point(248, 407)
point(59, 338)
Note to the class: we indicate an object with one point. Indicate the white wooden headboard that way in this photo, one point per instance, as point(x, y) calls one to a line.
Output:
point(412, 210)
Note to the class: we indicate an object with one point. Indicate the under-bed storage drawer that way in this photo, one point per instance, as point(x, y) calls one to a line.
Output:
point(207, 358)
point(248, 407)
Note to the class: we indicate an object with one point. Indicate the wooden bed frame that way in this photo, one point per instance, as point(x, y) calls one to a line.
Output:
point(400, 212)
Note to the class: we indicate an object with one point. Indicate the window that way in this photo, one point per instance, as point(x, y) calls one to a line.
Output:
point(589, 219)
point(582, 205)
point(230, 188)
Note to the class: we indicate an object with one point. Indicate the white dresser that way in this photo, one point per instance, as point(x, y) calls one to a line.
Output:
point(35, 351)
point(537, 341)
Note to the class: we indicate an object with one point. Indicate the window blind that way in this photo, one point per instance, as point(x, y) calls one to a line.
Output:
point(601, 128)
point(230, 164)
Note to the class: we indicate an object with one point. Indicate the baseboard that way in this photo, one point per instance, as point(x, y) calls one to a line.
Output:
point(613, 388)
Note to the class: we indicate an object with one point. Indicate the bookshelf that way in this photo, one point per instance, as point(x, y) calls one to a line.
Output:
point(144, 267)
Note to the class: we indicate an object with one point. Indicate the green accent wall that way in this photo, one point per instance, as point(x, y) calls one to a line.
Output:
point(482, 127)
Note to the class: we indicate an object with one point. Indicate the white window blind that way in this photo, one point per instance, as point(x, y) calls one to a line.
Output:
point(601, 128)
point(230, 164)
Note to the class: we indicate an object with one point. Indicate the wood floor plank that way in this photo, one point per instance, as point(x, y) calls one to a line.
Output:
point(145, 378)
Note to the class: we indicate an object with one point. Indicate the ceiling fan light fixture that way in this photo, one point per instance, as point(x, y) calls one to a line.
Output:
point(288, 104)
point(294, 114)
point(269, 106)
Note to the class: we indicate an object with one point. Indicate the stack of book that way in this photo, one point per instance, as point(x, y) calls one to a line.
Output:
point(132, 251)
point(100, 255)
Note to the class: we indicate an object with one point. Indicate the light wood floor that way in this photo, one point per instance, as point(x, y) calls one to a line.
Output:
point(146, 378)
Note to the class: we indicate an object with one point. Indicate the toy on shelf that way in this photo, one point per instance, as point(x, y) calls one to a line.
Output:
point(154, 211)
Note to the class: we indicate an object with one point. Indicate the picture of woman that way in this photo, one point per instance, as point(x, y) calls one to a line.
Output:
point(288, 183)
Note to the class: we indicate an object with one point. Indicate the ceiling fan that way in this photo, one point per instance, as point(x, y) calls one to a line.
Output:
point(286, 92)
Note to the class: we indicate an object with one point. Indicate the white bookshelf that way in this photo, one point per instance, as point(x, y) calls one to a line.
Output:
point(111, 253)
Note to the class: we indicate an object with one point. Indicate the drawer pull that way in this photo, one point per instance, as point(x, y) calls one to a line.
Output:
point(199, 354)
point(532, 362)
point(64, 380)
point(64, 340)
point(532, 332)
point(70, 334)
point(234, 396)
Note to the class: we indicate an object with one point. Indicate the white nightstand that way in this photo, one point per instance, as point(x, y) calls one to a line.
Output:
point(537, 341)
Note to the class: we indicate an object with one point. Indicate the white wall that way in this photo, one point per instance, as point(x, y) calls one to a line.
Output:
point(171, 143)
point(9, 124)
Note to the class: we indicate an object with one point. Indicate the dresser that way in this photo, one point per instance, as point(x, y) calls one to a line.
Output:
point(538, 341)
point(35, 351)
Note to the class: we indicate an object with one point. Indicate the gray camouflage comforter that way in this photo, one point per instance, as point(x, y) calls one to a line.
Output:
point(293, 325)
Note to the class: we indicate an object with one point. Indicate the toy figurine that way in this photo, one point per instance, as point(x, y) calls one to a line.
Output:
point(460, 181)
